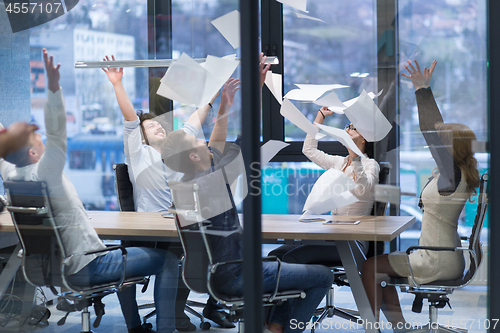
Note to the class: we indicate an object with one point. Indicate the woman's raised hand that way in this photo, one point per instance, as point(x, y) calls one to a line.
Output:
point(326, 111)
point(417, 77)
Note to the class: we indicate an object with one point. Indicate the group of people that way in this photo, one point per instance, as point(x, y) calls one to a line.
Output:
point(155, 158)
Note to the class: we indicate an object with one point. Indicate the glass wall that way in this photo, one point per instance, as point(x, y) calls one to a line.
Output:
point(362, 45)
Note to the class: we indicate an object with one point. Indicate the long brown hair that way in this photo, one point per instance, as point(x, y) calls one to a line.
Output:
point(460, 137)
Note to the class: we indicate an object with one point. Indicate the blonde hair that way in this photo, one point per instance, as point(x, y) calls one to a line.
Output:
point(460, 137)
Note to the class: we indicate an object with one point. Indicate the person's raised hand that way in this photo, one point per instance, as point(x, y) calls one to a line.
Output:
point(417, 77)
point(326, 111)
point(114, 74)
point(263, 68)
point(230, 88)
point(52, 71)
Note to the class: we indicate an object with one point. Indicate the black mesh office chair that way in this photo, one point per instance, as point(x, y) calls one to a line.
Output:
point(125, 193)
point(44, 258)
point(437, 292)
point(374, 248)
point(198, 266)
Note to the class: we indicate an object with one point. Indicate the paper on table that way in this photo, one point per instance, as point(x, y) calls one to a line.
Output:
point(331, 191)
point(190, 83)
point(269, 149)
point(341, 136)
point(290, 112)
point(273, 82)
point(369, 121)
point(340, 110)
point(311, 92)
point(300, 15)
point(299, 4)
point(229, 26)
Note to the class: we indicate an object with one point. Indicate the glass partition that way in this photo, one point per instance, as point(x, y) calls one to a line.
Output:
point(361, 45)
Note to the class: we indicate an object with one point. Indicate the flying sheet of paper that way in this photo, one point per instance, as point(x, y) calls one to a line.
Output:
point(269, 149)
point(331, 191)
point(290, 112)
point(331, 100)
point(273, 82)
point(299, 4)
point(188, 82)
point(300, 15)
point(340, 110)
point(341, 136)
point(369, 121)
point(311, 92)
point(229, 26)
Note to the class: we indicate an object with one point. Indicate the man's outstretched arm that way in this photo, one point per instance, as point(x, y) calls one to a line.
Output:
point(115, 77)
point(219, 133)
point(198, 117)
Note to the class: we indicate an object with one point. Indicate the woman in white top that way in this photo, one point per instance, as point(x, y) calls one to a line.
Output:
point(363, 170)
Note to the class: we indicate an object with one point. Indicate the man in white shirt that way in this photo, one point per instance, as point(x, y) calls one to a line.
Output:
point(39, 162)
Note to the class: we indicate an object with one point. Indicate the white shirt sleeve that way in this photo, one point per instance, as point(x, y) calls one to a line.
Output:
point(132, 140)
point(190, 129)
point(365, 175)
point(322, 159)
point(51, 164)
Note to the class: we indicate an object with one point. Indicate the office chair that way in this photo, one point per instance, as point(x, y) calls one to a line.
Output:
point(437, 292)
point(44, 259)
point(374, 248)
point(125, 193)
point(198, 266)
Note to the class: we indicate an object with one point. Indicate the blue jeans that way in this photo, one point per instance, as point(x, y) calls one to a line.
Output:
point(314, 280)
point(141, 261)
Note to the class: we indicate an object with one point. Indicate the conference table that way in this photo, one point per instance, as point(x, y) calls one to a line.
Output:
point(276, 229)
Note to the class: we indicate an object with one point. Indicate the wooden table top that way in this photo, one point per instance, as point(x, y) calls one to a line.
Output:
point(116, 225)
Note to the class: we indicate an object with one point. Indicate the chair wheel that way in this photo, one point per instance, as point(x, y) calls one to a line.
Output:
point(205, 325)
point(147, 326)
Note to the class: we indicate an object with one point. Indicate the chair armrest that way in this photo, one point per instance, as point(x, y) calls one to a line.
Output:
point(431, 248)
point(269, 258)
point(214, 267)
point(109, 248)
point(119, 284)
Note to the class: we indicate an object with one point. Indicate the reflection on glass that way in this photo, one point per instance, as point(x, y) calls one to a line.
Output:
point(339, 51)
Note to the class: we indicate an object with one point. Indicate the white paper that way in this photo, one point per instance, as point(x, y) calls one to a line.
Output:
point(322, 87)
point(311, 92)
point(369, 121)
point(331, 191)
point(331, 100)
point(299, 4)
point(342, 136)
point(184, 81)
point(190, 83)
point(290, 112)
point(269, 149)
point(229, 26)
point(273, 82)
point(300, 15)
point(340, 110)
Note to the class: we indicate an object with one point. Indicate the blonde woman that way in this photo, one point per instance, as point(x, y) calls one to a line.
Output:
point(442, 200)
